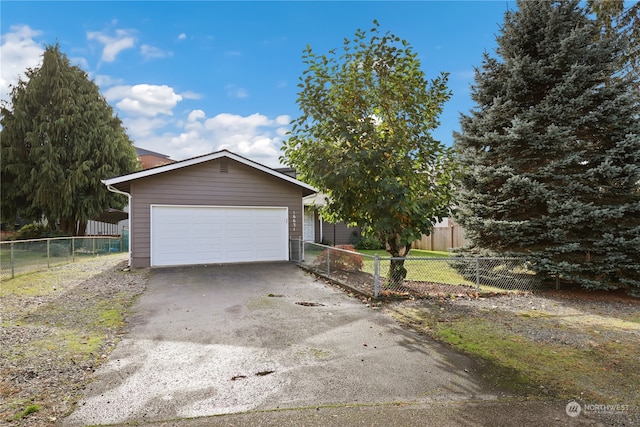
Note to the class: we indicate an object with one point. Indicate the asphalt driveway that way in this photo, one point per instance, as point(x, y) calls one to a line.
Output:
point(233, 338)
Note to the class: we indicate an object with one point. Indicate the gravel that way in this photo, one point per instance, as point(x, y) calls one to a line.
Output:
point(54, 338)
point(34, 369)
point(584, 320)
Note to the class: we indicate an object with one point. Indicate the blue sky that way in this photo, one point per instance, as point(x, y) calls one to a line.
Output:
point(190, 78)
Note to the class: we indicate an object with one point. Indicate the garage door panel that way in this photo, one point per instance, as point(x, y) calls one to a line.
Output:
point(183, 235)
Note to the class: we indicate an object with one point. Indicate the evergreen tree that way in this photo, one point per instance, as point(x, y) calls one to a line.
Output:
point(614, 16)
point(59, 139)
point(552, 150)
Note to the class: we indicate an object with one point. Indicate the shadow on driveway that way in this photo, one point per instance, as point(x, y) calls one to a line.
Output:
point(225, 339)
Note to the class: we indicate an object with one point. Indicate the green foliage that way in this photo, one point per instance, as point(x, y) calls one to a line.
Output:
point(60, 249)
point(36, 231)
point(59, 138)
point(368, 242)
point(26, 412)
point(552, 150)
point(31, 231)
point(363, 138)
point(615, 18)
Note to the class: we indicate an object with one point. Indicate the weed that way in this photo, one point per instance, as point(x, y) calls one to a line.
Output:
point(26, 412)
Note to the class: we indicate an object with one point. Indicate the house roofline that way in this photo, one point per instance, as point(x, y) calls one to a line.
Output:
point(144, 152)
point(202, 159)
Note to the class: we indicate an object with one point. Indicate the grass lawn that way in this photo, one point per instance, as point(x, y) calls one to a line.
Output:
point(414, 253)
point(422, 270)
point(598, 366)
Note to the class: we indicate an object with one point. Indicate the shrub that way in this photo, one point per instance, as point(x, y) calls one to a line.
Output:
point(31, 231)
point(341, 259)
point(59, 249)
point(36, 231)
point(368, 242)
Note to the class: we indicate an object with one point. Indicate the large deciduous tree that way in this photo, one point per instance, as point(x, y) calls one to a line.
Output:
point(59, 139)
point(552, 150)
point(363, 138)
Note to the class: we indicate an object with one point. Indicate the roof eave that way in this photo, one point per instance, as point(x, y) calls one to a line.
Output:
point(118, 181)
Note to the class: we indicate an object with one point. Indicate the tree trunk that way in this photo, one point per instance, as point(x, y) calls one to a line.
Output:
point(397, 272)
point(73, 227)
point(81, 228)
point(66, 226)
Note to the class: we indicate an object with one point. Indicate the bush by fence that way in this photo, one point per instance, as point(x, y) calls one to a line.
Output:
point(370, 275)
point(23, 256)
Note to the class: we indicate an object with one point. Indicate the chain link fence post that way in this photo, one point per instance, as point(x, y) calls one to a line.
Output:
point(376, 276)
point(478, 274)
point(48, 253)
point(13, 262)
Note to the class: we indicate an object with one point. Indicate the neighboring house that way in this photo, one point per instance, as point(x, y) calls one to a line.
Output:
point(216, 208)
point(150, 159)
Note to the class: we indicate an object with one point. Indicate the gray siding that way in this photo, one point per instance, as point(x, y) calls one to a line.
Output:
point(207, 185)
point(336, 234)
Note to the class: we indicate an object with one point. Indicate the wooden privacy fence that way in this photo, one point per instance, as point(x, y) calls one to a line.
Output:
point(442, 239)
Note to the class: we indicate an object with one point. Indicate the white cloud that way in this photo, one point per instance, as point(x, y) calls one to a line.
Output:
point(196, 115)
point(18, 51)
point(256, 136)
point(113, 45)
point(234, 122)
point(80, 62)
point(143, 127)
point(191, 95)
point(102, 80)
point(182, 36)
point(283, 120)
point(151, 52)
point(144, 99)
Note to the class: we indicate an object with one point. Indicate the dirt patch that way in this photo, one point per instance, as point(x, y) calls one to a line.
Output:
point(363, 283)
point(58, 326)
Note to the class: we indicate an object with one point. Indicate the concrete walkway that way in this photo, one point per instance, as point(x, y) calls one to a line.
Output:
point(267, 344)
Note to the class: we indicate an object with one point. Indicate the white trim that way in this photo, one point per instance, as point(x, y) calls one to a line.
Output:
point(201, 159)
point(129, 237)
point(151, 234)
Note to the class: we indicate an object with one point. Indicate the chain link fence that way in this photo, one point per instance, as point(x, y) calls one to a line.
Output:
point(24, 256)
point(376, 276)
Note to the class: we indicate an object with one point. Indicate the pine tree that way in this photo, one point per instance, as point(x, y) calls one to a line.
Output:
point(552, 150)
point(59, 139)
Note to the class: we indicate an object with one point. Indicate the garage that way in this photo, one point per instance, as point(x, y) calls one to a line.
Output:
point(188, 235)
point(211, 209)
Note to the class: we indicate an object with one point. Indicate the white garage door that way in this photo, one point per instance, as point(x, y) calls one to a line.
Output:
point(183, 235)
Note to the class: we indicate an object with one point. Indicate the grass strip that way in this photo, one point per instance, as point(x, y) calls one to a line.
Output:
point(605, 373)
